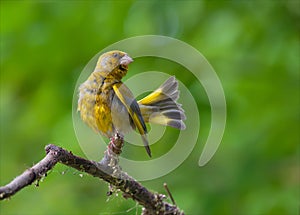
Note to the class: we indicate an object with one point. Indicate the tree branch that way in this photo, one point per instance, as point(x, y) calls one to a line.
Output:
point(107, 170)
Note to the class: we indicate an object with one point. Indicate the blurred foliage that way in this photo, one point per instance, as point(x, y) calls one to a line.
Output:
point(254, 48)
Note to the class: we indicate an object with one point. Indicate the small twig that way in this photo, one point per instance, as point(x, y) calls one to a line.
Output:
point(169, 193)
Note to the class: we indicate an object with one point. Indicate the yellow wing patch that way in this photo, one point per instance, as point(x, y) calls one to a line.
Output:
point(131, 105)
point(128, 100)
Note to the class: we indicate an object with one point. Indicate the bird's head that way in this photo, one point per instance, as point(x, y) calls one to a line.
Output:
point(113, 64)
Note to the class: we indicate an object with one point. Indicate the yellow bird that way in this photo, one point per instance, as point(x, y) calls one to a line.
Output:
point(108, 106)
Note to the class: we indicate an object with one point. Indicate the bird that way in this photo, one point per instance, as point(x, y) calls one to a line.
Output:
point(108, 106)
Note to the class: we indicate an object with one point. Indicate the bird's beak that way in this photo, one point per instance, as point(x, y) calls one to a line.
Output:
point(125, 60)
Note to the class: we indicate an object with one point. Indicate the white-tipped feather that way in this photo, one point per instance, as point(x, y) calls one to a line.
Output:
point(161, 106)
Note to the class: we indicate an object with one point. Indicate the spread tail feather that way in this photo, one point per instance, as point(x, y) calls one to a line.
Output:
point(161, 106)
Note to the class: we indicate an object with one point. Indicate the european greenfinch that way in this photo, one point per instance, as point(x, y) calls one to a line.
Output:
point(109, 107)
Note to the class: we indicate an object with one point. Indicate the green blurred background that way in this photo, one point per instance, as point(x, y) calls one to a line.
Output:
point(254, 48)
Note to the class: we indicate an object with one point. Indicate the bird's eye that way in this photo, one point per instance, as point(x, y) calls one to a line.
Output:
point(115, 55)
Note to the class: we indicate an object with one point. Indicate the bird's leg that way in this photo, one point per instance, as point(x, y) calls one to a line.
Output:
point(114, 149)
point(115, 145)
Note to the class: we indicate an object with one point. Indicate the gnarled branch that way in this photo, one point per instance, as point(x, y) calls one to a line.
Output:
point(108, 170)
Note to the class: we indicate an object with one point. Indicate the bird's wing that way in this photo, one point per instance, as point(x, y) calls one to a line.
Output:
point(128, 100)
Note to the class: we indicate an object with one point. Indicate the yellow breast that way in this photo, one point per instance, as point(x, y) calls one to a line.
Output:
point(102, 113)
point(94, 104)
